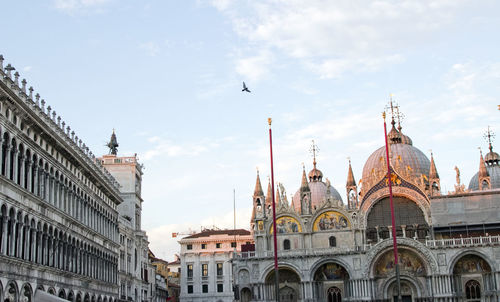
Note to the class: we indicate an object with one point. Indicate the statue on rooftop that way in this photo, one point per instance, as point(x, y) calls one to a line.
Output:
point(113, 144)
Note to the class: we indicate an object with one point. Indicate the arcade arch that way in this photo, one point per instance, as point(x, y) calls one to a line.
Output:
point(289, 285)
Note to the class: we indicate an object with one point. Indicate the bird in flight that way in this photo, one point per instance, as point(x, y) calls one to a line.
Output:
point(245, 88)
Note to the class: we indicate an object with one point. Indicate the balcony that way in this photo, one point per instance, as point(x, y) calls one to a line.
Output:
point(463, 242)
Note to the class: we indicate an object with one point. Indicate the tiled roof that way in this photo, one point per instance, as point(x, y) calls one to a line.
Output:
point(207, 233)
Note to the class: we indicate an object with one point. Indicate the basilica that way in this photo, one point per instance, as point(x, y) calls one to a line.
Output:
point(328, 250)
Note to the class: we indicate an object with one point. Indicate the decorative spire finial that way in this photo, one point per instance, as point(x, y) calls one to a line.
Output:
point(314, 149)
point(113, 144)
point(489, 136)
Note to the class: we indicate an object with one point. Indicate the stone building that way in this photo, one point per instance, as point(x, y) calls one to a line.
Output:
point(448, 244)
point(58, 205)
point(206, 271)
point(136, 274)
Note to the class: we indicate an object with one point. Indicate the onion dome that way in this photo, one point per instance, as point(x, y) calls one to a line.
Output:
point(320, 191)
point(492, 158)
point(488, 167)
point(406, 160)
point(404, 138)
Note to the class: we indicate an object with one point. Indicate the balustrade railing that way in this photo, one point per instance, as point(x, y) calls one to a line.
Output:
point(462, 242)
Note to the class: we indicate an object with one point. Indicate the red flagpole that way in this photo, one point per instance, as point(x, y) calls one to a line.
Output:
point(269, 120)
point(394, 240)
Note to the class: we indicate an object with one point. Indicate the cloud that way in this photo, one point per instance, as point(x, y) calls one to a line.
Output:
point(27, 68)
point(334, 37)
point(256, 67)
point(335, 68)
point(151, 48)
point(80, 6)
point(166, 147)
point(164, 246)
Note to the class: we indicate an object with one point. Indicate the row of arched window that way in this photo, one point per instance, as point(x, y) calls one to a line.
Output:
point(30, 171)
point(14, 292)
point(23, 237)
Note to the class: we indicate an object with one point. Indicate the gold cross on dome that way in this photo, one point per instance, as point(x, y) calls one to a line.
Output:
point(489, 136)
point(314, 149)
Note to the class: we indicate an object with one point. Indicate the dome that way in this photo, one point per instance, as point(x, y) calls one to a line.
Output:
point(315, 175)
point(492, 158)
point(494, 173)
point(406, 160)
point(319, 194)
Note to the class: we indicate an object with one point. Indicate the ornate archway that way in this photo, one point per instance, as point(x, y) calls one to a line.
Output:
point(329, 282)
point(246, 295)
point(472, 277)
point(289, 285)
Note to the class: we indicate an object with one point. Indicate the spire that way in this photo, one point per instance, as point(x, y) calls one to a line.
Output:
point(350, 176)
point(113, 144)
point(483, 172)
point(433, 171)
point(278, 196)
point(258, 187)
point(304, 185)
point(269, 196)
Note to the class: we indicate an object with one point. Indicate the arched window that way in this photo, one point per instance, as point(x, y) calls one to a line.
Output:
point(472, 290)
point(334, 294)
point(286, 244)
point(333, 241)
point(485, 185)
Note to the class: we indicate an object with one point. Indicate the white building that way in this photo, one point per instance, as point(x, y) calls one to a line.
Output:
point(206, 271)
point(58, 205)
point(136, 275)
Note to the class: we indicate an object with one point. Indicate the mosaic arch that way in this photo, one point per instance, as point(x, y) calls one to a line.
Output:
point(409, 263)
point(286, 225)
point(331, 220)
point(285, 275)
point(331, 271)
point(471, 264)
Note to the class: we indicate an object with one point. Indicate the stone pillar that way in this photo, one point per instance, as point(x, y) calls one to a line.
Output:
point(7, 161)
point(378, 235)
point(4, 234)
point(20, 242)
point(29, 185)
point(390, 230)
point(21, 170)
point(403, 228)
point(14, 164)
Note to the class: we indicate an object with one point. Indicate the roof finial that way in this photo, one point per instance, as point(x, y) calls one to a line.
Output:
point(489, 136)
point(391, 106)
point(113, 144)
point(400, 116)
point(314, 149)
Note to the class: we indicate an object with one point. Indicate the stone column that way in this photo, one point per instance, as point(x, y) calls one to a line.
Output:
point(4, 234)
point(20, 235)
point(29, 185)
point(403, 228)
point(390, 230)
point(14, 164)
point(378, 235)
point(21, 170)
point(7, 160)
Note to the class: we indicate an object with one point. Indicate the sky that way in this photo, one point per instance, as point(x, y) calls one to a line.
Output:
point(167, 76)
